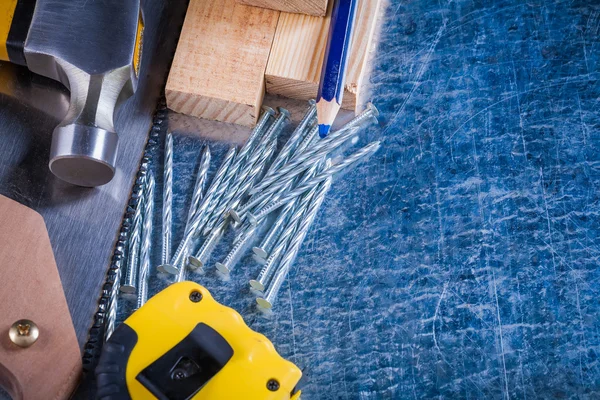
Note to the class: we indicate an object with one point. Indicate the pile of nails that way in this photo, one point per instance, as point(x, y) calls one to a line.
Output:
point(258, 188)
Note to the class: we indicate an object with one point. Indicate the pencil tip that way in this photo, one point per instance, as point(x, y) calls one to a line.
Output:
point(324, 130)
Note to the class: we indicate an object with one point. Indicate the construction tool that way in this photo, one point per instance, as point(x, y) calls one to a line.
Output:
point(94, 49)
point(182, 344)
point(39, 353)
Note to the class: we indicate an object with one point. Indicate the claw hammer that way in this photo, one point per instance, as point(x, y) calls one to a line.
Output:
point(93, 47)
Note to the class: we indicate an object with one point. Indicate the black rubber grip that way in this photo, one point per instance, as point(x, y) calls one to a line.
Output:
point(110, 372)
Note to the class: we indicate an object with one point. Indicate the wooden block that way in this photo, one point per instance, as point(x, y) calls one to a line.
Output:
point(310, 7)
point(219, 66)
point(31, 289)
point(294, 67)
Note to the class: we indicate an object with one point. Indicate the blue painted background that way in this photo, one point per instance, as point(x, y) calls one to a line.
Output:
point(462, 260)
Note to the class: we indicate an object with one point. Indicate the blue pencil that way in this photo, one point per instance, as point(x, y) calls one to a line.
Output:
point(333, 74)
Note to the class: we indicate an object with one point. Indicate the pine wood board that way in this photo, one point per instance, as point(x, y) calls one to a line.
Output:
point(219, 66)
point(311, 7)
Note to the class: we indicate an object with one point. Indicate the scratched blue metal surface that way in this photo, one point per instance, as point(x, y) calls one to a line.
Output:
point(461, 261)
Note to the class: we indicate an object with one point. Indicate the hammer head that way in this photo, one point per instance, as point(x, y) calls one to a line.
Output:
point(93, 48)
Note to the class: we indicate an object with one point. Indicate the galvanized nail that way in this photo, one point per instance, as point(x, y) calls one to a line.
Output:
point(303, 160)
point(146, 241)
point(200, 217)
point(227, 265)
point(130, 277)
point(167, 214)
point(269, 241)
point(200, 259)
point(294, 245)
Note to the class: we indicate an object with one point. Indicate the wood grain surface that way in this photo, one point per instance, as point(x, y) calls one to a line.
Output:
point(218, 70)
point(31, 289)
point(294, 67)
point(310, 7)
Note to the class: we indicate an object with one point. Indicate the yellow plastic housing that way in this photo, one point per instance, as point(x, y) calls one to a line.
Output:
point(170, 316)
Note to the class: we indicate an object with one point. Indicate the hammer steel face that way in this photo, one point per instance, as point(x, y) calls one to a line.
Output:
point(94, 49)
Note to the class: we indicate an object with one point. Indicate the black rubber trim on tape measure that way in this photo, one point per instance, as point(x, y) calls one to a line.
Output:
point(112, 366)
point(19, 29)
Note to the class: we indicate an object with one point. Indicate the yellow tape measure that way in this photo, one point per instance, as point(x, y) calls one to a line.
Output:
point(182, 344)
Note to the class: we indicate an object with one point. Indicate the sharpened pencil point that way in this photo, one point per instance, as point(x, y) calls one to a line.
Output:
point(324, 130)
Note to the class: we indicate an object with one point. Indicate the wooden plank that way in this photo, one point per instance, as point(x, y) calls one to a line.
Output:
point(31, 289)
point(310, 7)
point(294, 66)
point(218, 69)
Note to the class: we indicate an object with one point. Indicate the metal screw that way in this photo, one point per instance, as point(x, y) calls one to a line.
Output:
point(195, 296)
point(197, 196)
point(273, 385)
point(238, 171)
point(240, 215)
point(292, 146)
point(286, 214)
point(24, 333)
point(302, 162)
